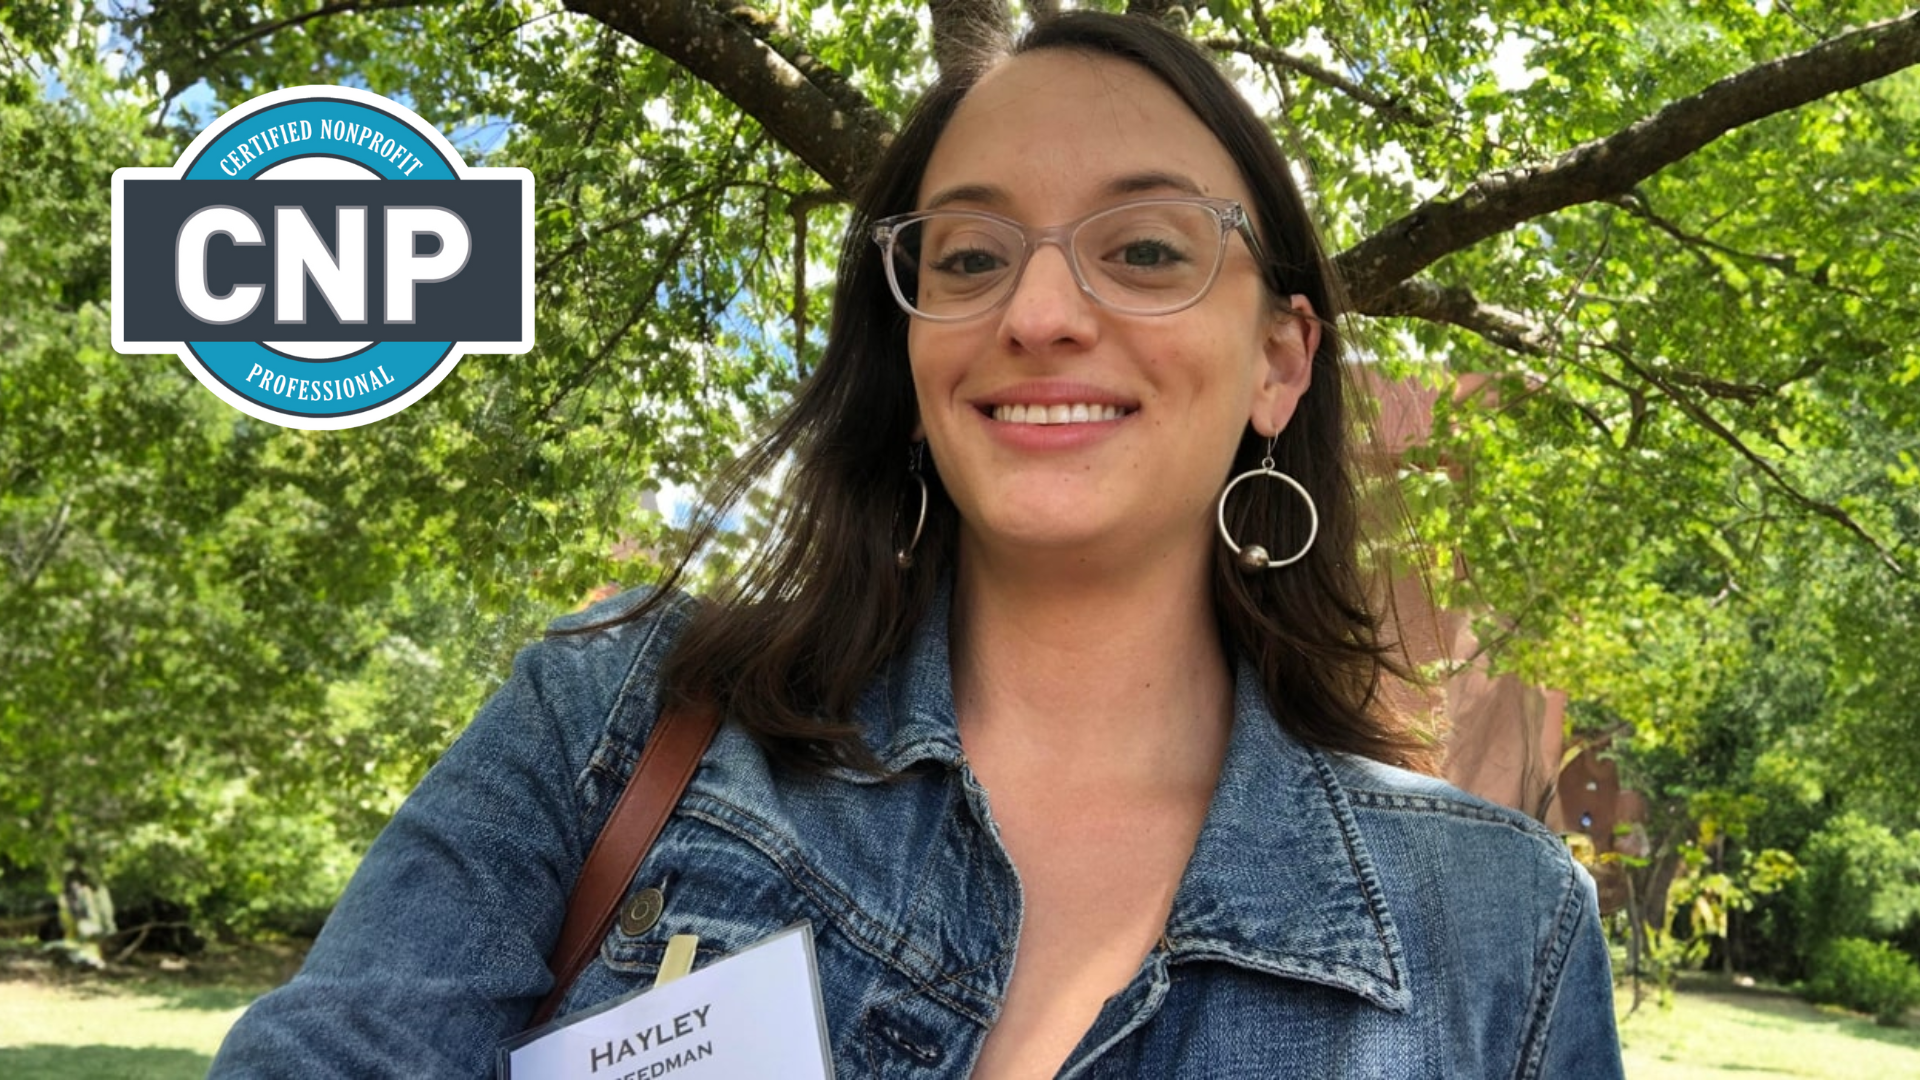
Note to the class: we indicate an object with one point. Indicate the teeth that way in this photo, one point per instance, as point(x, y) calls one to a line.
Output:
point(1079, 413)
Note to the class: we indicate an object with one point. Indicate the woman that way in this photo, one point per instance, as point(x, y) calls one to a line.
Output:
point(1063, 784)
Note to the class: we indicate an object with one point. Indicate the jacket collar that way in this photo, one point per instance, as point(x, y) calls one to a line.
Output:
point(1281, 880)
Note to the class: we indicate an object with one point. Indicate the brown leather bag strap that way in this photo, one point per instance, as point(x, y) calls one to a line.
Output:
point(673, 753)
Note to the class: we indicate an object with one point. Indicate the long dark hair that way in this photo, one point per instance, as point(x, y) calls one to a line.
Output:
point(791, 641)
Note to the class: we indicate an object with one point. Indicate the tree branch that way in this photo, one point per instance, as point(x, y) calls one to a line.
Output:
point(1300, 65)
point(1636, 203)
point(750, 58)
point(668, 263)
point(799, 206)
point(1614, 164)
point(615, 226)
point(43, 548)
point(1747, 393)
point(1705, 419)
point(339, 7)
point(201, 60)
point(1457, 306)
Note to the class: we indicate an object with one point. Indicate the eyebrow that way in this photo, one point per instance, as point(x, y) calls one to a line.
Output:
point(1130, 184)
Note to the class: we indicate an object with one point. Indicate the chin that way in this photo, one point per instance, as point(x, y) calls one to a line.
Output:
point(1049, 530)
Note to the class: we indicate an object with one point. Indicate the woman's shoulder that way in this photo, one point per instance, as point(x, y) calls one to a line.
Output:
point(1495, 926)
point(615, 639)
point(1432, 829)
point(594, 678)
point(1477, 889)
point(1386, 787)
point(613, 615)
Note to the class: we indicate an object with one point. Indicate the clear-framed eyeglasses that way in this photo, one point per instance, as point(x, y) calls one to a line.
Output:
point(1145, 257)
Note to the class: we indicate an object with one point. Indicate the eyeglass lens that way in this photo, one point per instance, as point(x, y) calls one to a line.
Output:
point(1140, 258)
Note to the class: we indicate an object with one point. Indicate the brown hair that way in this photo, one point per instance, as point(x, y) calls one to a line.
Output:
point(802, 629)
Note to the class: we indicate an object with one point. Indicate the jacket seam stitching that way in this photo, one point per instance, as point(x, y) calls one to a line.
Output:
point(1362, 868)
point(1553, 966)
point(623, 759)
point(1379, 800)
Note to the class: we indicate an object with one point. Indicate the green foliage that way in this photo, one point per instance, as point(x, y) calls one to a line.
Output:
point(1709, 897)
point(1860, 879)
point(247, 866)
point(1867, 976)
point(1700, 902)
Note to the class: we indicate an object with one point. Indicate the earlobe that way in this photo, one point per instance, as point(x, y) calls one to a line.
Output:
point(1292, 340)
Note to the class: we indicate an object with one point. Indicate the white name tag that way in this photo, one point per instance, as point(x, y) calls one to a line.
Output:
point(753, 1015)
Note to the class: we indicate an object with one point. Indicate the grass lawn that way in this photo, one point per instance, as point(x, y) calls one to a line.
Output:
point(148, 1020)
point(1716, 1029)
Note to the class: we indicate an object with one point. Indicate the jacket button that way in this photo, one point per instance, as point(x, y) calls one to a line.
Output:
point(641, 911)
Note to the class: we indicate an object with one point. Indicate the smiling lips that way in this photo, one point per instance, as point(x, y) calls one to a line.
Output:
point(1077, 413)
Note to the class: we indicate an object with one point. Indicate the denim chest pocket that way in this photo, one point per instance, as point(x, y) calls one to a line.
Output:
point(716, 872)
point(734, 878)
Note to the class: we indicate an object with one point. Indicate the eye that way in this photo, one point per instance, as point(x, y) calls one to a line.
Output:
point(1148, 254)
point(968, 261)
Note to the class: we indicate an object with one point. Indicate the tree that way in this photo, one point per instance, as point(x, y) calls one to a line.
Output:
point(1677, 238)
point(216, 672)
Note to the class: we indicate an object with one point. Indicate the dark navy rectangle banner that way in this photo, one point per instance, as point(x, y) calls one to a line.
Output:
point(197, 252)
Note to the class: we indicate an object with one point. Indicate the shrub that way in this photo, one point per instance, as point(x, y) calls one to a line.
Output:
point(1868, 976)
point(1858, 880)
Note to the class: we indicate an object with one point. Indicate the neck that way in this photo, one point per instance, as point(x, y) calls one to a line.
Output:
point(1123, 674)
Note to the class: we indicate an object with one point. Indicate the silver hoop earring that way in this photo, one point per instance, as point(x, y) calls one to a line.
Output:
point(1253, 557)
point(904, 556)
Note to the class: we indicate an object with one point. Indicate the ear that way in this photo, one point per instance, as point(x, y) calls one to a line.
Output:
point(1292, 339)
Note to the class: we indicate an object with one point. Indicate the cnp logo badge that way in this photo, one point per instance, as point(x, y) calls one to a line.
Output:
point(341, 287)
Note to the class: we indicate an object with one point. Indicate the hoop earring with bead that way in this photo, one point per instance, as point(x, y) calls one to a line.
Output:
point(1254, 558)
point(903, 557)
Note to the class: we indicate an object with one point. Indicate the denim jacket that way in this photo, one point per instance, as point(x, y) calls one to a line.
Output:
point(1338, 918)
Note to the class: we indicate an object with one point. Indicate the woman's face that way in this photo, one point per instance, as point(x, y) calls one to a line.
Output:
point(1047, 138)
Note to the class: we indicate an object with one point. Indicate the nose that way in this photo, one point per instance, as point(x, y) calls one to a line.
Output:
point(1048, 308)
